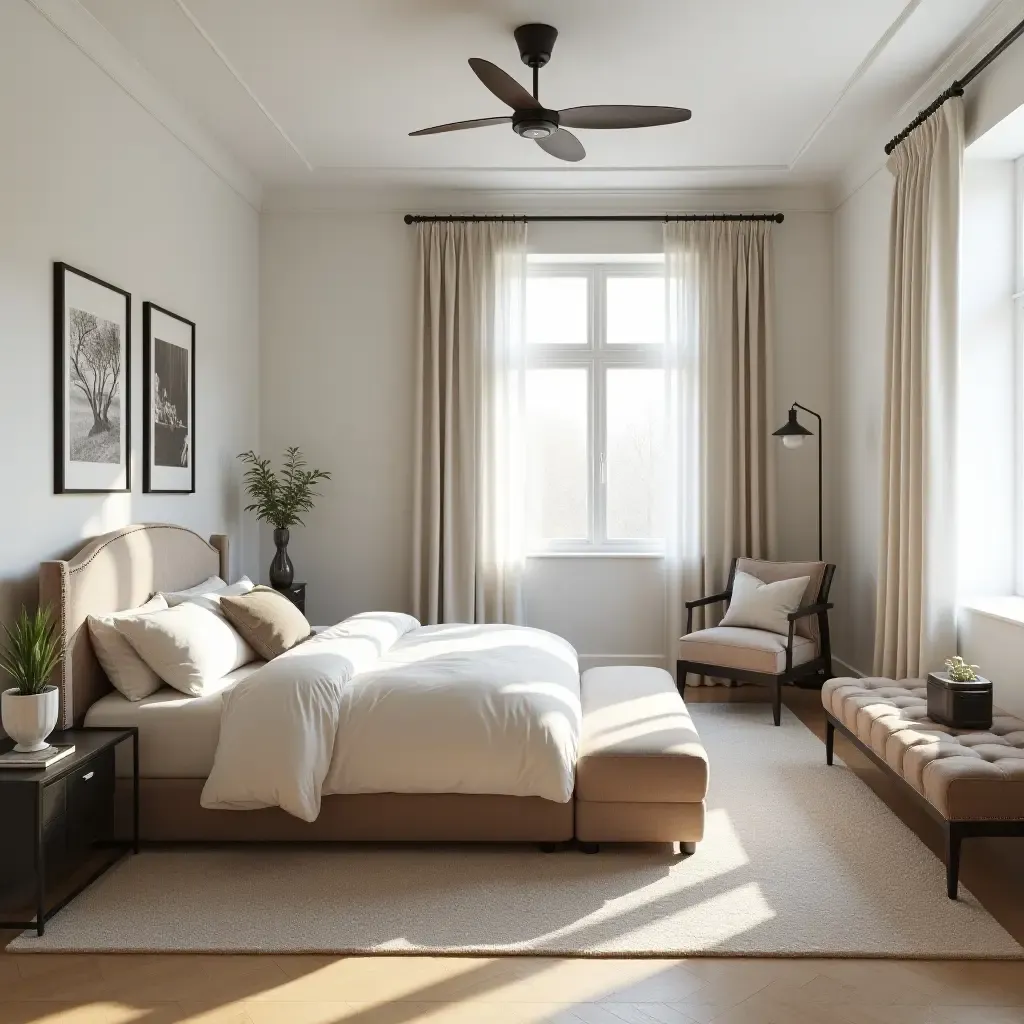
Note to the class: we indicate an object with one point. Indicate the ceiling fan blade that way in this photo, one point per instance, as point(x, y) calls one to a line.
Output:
point(621, 116)
point(563, 145)
point(503, 85)
point(457, 126)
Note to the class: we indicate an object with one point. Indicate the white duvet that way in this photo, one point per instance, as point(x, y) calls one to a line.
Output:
point(380, 704)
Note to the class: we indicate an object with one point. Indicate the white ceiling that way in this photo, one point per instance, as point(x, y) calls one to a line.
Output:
point(325, 92)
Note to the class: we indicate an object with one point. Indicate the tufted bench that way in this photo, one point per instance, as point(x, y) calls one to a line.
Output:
point(972, 782)
point(642, 771)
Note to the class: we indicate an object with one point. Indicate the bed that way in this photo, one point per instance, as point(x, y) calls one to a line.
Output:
point(178, 735)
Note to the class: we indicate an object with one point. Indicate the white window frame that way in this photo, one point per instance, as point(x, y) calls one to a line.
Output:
point(596, 357)
point(1018, 331)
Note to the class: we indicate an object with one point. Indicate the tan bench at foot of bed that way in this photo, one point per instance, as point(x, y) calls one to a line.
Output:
point(642, 772)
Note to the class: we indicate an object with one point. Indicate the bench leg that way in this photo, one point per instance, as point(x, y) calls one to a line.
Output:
point(954, 836)
point(777, 702)
point(686, 849)
point(590, 847)
point(830, 740)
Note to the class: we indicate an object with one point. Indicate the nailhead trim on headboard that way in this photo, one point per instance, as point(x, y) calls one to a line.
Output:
point(65, 703)
point(135, 529)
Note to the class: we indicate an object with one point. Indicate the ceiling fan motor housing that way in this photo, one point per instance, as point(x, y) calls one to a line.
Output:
point(535, 44)
point(535, 124)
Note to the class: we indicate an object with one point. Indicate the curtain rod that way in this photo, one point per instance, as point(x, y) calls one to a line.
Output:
point(957, 87)
point(419, 218)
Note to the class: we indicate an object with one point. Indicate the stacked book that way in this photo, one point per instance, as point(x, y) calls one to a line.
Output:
point(36, 758)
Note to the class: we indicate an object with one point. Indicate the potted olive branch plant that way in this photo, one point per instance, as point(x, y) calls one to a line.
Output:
point(959, 697)
point(280, 501)
point(29, 654)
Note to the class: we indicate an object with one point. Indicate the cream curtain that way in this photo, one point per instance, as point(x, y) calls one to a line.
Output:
point(720, 399)
point(469, 540)
point(915, 615)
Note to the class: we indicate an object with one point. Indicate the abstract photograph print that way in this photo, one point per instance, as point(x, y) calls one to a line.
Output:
point(92, 411)
point(169, 415)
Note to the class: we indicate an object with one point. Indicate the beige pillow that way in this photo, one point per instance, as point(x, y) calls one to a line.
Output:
point(758, 605)
point(127, 672)
point(267, 620)
point(188, 647)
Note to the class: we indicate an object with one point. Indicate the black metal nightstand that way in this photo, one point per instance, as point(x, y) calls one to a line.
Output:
point(296, 593)
point(55, 821)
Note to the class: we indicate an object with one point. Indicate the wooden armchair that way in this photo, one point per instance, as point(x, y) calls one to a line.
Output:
point(755, 655)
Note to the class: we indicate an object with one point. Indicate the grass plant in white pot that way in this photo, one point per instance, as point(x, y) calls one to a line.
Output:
point(29, 653)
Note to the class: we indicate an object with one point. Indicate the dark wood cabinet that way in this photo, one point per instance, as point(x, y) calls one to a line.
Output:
point(58, 825)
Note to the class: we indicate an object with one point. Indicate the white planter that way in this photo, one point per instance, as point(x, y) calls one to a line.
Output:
point(29, 719)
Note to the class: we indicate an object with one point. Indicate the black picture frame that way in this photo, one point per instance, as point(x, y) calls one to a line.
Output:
point(150, 470)
point(68, 473)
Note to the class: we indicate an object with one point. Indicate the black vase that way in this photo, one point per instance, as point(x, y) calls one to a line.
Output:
point(282, 572)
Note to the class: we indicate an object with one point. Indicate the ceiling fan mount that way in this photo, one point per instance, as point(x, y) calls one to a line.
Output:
point(535, 44)
point(547, 127)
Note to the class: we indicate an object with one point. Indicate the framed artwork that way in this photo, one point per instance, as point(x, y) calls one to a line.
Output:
point(169, 402)
point(92, 368)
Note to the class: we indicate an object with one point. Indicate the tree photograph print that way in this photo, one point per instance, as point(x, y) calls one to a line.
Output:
point(94, 369)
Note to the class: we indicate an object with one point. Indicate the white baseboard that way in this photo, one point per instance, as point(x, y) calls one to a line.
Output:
point(595, 660)
point(840, 667)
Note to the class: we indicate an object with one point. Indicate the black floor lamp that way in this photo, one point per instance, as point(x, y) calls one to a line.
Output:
point(793, 433)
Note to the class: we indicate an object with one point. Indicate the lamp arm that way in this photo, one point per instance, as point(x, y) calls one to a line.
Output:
point(797, 405)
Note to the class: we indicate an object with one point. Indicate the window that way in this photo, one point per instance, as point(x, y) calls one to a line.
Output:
point(595, 404)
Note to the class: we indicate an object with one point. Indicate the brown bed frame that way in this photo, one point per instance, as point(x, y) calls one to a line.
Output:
point(125, 568)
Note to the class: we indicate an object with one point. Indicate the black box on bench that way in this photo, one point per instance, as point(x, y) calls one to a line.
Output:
point(959, 705)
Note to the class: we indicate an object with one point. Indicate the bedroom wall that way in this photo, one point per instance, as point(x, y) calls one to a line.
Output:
point(861, 233)
point(91, 178)
point(338, 378)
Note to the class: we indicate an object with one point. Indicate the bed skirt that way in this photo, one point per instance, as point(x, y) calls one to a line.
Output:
point(169, 811)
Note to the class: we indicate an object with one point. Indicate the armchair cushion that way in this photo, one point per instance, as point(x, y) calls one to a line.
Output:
point(759, 605)
point(752, 650)
point(770, 572)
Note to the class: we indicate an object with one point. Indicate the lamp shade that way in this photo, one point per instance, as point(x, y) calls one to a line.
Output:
point(792, 431)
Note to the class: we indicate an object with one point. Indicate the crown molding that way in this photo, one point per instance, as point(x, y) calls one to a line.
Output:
point(243, 84)
point(369, 200)
point(984, 35)
point(79, 26)
point(876, 51)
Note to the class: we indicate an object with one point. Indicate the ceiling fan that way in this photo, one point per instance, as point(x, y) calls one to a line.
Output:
point(532, 120)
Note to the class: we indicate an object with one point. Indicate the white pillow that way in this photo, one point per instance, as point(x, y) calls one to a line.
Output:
point(127, 672)
point(211, 600)
point(758, 605)
point(188, 646)
point(209, 586)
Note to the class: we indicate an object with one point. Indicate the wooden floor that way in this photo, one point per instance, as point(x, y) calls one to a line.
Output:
point(529, 990)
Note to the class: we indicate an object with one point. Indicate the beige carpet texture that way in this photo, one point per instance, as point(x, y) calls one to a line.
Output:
point(798, 859)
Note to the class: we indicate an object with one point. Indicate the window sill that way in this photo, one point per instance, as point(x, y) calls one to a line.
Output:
point(1008, 608)
point(597, 554)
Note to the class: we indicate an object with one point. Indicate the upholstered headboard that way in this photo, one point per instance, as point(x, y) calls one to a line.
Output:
point(119, 570)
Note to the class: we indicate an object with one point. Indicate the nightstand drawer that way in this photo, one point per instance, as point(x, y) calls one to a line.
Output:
point(90, 798)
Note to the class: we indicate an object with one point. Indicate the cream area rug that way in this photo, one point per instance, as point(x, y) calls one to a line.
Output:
point(798, 859)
